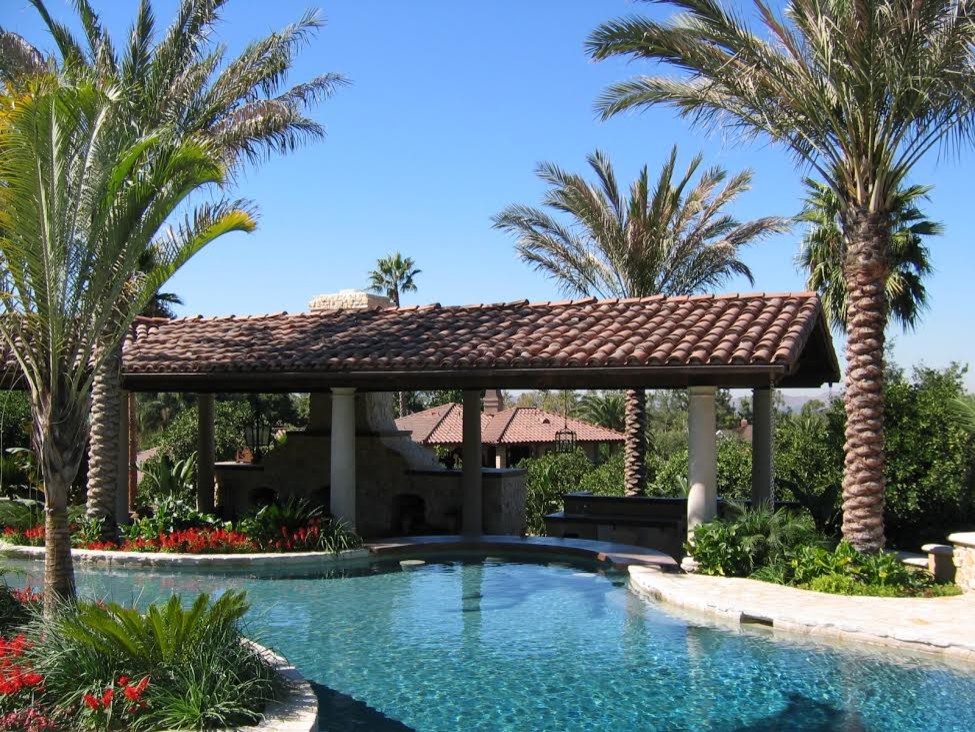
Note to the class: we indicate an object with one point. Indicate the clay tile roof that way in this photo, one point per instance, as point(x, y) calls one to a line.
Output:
point(443, 425)
point(783, 335)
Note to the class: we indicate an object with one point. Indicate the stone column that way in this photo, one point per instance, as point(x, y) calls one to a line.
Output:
point(702, 473)
point(343, 455)
point(761, 445)
point(205, 453)
point(122, 471)
point(471, 487)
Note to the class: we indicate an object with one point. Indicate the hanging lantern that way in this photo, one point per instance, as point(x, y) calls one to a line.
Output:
point(565, 440)
point(257, 434)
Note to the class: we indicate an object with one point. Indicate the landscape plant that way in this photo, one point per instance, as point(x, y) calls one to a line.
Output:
point(784, 547)
point(670, 236)
point(119, 144)
point(748, 540)
point(860, 92)
point(102, 666)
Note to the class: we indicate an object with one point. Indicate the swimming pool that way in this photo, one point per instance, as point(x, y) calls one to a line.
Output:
point(471, 644)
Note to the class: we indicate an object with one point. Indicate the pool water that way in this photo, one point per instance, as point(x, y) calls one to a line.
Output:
point(514, 645)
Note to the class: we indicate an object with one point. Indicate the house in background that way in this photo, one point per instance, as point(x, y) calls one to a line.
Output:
point(507, 435)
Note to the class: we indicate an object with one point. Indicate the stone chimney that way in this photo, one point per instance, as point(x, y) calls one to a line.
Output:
point(348, 300)
point(493, 401)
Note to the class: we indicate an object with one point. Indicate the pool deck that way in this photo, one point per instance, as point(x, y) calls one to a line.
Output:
point(939, 625)
point(621, 556)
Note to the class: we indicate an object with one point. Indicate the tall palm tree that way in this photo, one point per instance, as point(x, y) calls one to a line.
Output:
point(82, 195)
point(394, 274)
point(605, 408)
point(859, 92)
point(244, 111)
point(671, 238)
point(823, 250)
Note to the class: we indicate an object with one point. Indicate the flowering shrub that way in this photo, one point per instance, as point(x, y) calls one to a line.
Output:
point(291, 527)
point(33, 536)
point(19, 686)
point(202, 675)
point(194, 541)
point(117, 705)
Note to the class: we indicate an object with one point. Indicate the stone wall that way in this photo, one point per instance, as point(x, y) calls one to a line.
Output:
point(400, 486)
point(964, 557)
point(348, 300)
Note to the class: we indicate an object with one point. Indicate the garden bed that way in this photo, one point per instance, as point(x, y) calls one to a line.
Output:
point(106, 667)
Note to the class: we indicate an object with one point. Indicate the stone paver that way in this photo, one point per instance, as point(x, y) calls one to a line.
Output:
point(943, 625)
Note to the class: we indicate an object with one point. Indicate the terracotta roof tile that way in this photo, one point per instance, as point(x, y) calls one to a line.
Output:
point(746, 330)
point(444, 425)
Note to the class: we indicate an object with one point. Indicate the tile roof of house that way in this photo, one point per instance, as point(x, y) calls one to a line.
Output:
point(443, 425)
point(731, 340)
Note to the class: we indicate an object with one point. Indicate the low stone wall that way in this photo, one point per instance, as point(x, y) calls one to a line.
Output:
point(298, 710)
point(964, 557)
point(215, 562)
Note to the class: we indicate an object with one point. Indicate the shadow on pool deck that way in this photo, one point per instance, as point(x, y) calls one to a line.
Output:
point(338, 711)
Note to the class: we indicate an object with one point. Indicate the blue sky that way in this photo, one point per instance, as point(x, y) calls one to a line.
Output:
point(452, 104)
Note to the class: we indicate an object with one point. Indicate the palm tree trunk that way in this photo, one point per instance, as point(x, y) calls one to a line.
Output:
point(865, 272)
point(103, 453)
point(635, 429)
point(133, 451)
point(59, 440)
point(403, 403)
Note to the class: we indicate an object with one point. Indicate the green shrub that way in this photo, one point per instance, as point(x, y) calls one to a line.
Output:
point(605, 479)
point(749, 540)
point(296, 525)
point(734, 471)
point(549, 478)
point(930, 459)
point(164, 477)
point(20, 513)
point(170, 514)
point(201, 675)
point(179, 439)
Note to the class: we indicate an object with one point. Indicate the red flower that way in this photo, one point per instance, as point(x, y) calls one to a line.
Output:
point(32, 679)
point(107, 697)
point(92, 702)
point(122, 680)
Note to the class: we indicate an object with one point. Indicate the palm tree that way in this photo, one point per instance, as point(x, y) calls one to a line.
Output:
point(605, 408)
point(82, 195)
point(394, 274)
point(243, 111)
point(859, 92)
point(823, 250)
point(669, 239)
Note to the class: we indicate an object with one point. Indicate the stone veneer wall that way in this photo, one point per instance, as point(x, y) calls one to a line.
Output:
point(964, 558)
point(390, 469)
point(348, 300)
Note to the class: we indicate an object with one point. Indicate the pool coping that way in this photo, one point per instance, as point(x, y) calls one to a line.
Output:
point(296, 712)
point(620, 556)
point(110, 559)
point(940, 626)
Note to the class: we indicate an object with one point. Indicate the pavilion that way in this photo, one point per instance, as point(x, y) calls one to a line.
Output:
point(349, 344)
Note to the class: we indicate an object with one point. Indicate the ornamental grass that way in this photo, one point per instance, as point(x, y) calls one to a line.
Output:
point(102, 666)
